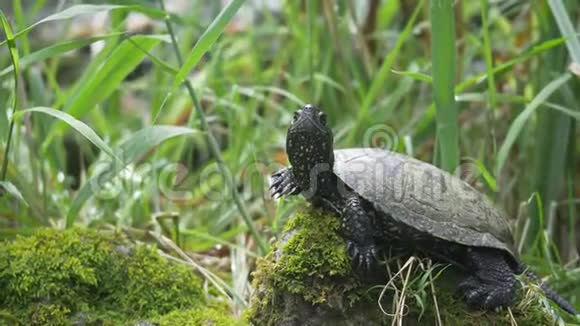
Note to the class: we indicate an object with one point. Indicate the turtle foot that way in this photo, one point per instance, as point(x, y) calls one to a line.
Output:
point(284, 184)
point(479, 295)
point(492, 283)
point(364, 258)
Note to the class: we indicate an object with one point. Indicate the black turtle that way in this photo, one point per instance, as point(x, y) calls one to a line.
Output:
point(389, 200)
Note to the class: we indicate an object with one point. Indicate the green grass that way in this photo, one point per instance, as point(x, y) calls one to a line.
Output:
point(443, 49)
point(478, 85)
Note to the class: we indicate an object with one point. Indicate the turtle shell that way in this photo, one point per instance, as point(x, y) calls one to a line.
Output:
point(424, 197)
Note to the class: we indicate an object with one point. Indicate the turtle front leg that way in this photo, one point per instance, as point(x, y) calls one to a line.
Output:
point(359, 233)
point(284, 183)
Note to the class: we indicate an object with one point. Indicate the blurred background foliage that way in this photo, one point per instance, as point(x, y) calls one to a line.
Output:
point(112, 141)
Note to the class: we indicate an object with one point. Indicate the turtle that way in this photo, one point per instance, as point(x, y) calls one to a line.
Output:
point(389, 200)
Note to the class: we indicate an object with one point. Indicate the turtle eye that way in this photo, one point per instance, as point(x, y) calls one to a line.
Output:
point(322, 118)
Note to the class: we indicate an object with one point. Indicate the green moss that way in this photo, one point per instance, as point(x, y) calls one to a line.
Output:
point(59, 277)
point(208, 316)
point(48, 314)
point(152, 286)
point(310, 262)
point(309, 269)
point(318, 267)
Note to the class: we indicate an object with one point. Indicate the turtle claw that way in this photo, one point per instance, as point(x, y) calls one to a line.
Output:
point(467, 285)
point(363, 258)
point(289, 189)
point(278, 177)
point(474, 297)
point(485, 297)
point(352, 249)
point(283, 184)
point(472, 291)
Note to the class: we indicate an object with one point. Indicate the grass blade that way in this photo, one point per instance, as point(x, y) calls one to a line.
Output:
point(216, 28)
point(523, 117)
point(68, 13)
point(571, 113)
point(56, 50)
point(554, 127)
point(443, 53)
point(566, 28)
point(166, 67)
point(487, 52)
point(87, 9)
point(485, 174)
point(381, 77)
point(479, 78)
point(206, 40)
point(107, 77)
point(11, 189)
point(131, 150)
point(415, 75)
point(78, 125)
point(14, 57)
point(115, 69)
point(488, 56)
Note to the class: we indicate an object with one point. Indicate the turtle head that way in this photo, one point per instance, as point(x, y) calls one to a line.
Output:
point(309, 145)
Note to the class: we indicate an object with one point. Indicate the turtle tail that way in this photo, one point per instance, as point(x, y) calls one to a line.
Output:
point(565, 305)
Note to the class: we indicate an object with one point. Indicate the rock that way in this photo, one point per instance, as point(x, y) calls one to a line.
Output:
point(308, 280)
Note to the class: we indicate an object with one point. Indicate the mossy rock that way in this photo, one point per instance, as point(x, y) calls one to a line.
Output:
point(213, 315)
point(85, 277)
point(308, 280)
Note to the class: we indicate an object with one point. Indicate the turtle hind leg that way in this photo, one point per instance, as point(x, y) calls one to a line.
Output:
point(491, 282)
point(358, 230)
